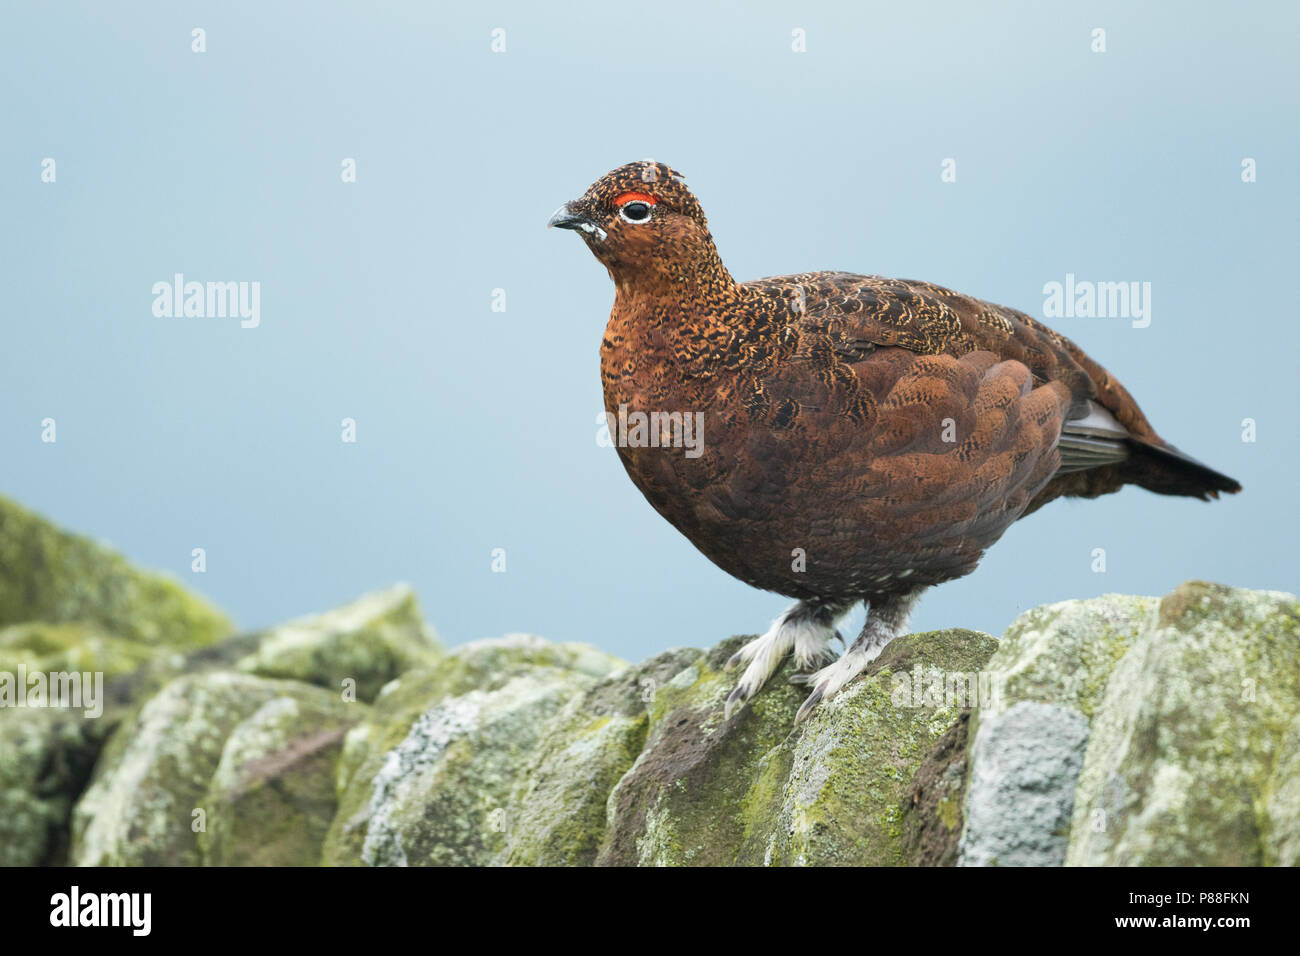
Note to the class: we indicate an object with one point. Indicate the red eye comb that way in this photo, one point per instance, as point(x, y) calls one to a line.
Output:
point(635, 197)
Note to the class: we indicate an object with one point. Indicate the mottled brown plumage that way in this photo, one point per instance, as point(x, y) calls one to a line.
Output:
point(889, 431)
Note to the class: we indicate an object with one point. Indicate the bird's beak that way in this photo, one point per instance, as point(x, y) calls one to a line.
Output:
point(570, 216)
point(566, 218)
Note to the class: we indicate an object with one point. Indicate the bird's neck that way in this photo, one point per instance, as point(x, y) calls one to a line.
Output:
point(698, 285)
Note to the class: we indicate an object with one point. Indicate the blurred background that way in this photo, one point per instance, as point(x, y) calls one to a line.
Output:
point(475, 428)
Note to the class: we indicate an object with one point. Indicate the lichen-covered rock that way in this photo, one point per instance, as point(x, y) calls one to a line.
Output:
point(487, 664)
point(484, 665)
point(47, 752)
point(1194, 748)
point(367, 643)
point(71, 606)
point(932, 816)
point(1150, 731)
point(1026, 760)
point(439, 798)
point(756, 789)
point(557, 813)
point(351, 651)
point(75, 647)
point(271, 799)
point(45, 759)
point(1120, 730)
point(145, 805)
point(520, 752)
point(1063, 654)
point(1058, 658)
point(54, 577)
point(427, 779)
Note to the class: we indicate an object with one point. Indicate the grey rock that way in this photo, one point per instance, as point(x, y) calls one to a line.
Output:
point(1020, 796)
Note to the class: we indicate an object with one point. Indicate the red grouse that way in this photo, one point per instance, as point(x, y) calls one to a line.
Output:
point(847, 438)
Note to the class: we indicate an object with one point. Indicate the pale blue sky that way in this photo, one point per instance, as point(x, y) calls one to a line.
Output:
point(475, 428)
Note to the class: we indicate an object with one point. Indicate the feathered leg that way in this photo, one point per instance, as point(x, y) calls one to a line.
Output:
point(886, 619)
point(807, 628)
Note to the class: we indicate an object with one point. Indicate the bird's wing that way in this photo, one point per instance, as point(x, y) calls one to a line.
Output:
point(856, 314)
point(861, 313)
point(937, 454)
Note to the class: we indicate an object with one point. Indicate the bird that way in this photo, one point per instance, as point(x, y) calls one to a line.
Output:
point(840, 438)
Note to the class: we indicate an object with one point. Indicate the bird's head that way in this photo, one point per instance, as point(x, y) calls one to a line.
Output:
point(642, 222)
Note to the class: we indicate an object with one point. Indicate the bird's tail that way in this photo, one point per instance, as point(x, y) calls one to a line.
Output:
point(1094, 440)
point(1166, 470)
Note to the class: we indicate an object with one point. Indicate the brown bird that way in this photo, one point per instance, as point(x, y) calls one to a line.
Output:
point(840, 438)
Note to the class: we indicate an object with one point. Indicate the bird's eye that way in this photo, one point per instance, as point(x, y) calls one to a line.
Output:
point(635, 211)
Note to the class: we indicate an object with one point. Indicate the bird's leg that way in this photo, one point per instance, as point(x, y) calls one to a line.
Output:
point(886, 620)
point(807, 628)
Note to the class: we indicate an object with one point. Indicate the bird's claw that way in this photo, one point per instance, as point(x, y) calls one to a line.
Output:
point(738, 695)
point(815, 698)
point(796, 630)
point(830, 680)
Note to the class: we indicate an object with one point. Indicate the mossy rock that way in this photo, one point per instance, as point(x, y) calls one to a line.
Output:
point(932, 815)
point(52, 576)
point(556, 814)
point(362, 645)
point(1026, 742)
point(271, 798)
point(524, 753)
point(1196, 743)
point(46, 753)
point(46, 757)
point(758, 790)
point(427, 778)
point(1158, 732)
point(75, 647)
point(145, 805)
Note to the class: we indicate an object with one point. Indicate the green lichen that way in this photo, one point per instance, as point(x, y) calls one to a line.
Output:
point(441, 797)
point(1198, 718)
point(51, 576)
point(757, 789)
point(361, 646)
point(46, 755)
point(1064, 653)
point(949, 812)
point(556, 813)
point(495, 697)
point(271, 798)
point(153, 774)
point(75, 647)
point(520, 752)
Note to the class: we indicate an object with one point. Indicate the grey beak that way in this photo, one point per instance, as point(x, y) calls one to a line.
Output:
point(566, 218)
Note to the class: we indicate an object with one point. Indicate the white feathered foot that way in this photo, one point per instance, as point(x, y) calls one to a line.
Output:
point(806, 628)
point(886, 620)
